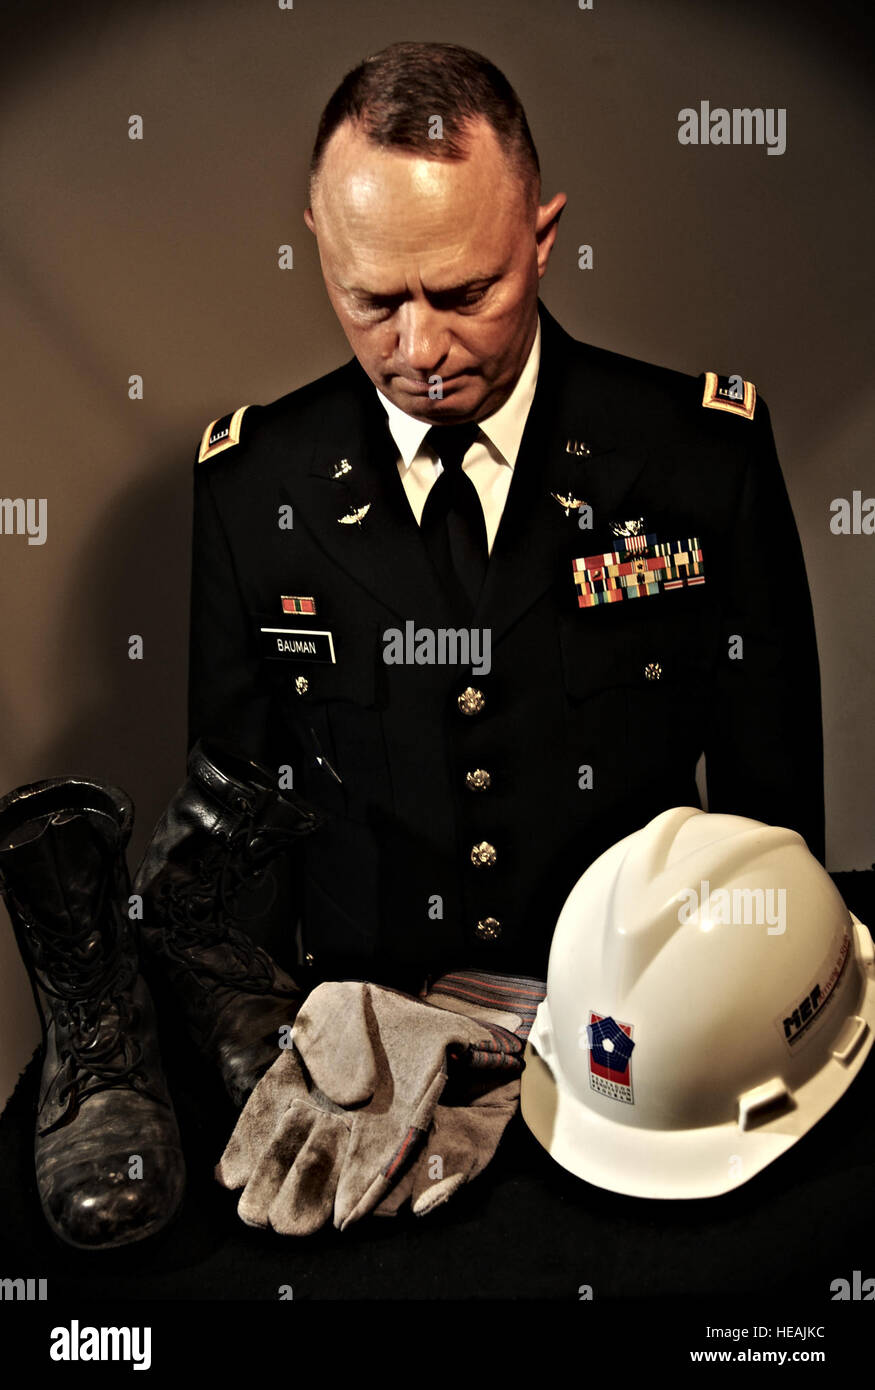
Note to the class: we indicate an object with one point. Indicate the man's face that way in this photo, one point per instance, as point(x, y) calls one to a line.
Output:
point(432, 267)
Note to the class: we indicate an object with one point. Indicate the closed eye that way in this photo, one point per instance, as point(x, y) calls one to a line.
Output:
point(464, 298)
point(460, 298)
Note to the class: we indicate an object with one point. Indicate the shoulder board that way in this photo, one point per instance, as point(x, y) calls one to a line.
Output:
point(221, 434)
point(730, 393)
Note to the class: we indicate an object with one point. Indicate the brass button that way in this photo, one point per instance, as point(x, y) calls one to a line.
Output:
point(484, 853)
point(471, 701)
point(478, 780)
point(488, 929)
point(653, 670)
point(302, 685)
point(309, 958)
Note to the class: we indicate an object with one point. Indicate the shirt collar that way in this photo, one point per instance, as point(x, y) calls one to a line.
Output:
point(504, 428)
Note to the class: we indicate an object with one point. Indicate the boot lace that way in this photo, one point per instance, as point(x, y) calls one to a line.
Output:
point(203, 914)
point(101, 1050)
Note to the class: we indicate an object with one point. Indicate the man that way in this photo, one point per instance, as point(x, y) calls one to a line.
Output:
point(613, 542)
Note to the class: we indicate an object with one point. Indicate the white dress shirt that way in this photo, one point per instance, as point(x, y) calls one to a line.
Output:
point(489, 462)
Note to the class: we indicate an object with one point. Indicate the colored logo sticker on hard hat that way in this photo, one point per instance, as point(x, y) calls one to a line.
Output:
point(804, 1016)
point(610, 1057)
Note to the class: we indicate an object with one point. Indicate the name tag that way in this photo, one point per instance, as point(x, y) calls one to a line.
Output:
point(296, 644)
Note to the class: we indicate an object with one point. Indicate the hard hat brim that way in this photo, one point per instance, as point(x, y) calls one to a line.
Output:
point(667, 1164)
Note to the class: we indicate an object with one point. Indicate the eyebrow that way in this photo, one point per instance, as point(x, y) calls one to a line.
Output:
point(468, 284)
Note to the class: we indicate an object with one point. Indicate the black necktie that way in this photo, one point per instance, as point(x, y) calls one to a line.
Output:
point(453, 525)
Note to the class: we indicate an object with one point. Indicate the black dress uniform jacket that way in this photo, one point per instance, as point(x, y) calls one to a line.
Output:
point(309, 504)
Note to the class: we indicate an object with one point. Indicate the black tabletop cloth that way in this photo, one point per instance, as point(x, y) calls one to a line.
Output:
point(524, 1229)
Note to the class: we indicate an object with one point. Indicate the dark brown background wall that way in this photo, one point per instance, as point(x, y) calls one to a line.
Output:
point(159, 257)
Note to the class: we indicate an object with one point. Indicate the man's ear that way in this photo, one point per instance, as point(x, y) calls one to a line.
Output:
point(308, 218)
point(546, 227)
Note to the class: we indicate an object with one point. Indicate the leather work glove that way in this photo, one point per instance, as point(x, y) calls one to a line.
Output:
point(477, 1104)
point(338, 1117)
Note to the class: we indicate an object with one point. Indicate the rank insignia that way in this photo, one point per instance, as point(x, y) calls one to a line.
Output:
point(221, 434)
point(355, 515)
point(644, 568)
point(730, 393)
point(569, 503)
point(293, 604)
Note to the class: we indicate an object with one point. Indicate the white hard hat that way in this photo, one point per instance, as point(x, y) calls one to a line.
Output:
point(709, 998)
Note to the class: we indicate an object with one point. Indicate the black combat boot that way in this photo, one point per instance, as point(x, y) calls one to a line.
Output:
point(109, 1166)
point(217, 839)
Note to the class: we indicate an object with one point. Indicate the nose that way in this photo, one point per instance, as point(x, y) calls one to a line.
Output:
point(423, 340)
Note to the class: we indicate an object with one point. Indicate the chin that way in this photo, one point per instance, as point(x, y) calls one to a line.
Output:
point(441, 412)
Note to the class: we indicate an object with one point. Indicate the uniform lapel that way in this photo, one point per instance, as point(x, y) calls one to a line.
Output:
point(353, 467)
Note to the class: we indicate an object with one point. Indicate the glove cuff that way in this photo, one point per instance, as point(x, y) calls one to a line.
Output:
point(478, 989)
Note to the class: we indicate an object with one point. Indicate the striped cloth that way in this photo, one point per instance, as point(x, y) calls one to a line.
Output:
point(479, 993)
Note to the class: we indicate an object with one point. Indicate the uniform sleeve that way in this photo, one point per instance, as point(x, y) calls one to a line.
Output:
point(226, 692)
point(764, 752)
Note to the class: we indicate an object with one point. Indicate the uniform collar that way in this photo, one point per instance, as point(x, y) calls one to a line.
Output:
point(504, 428)
point(575, 444)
